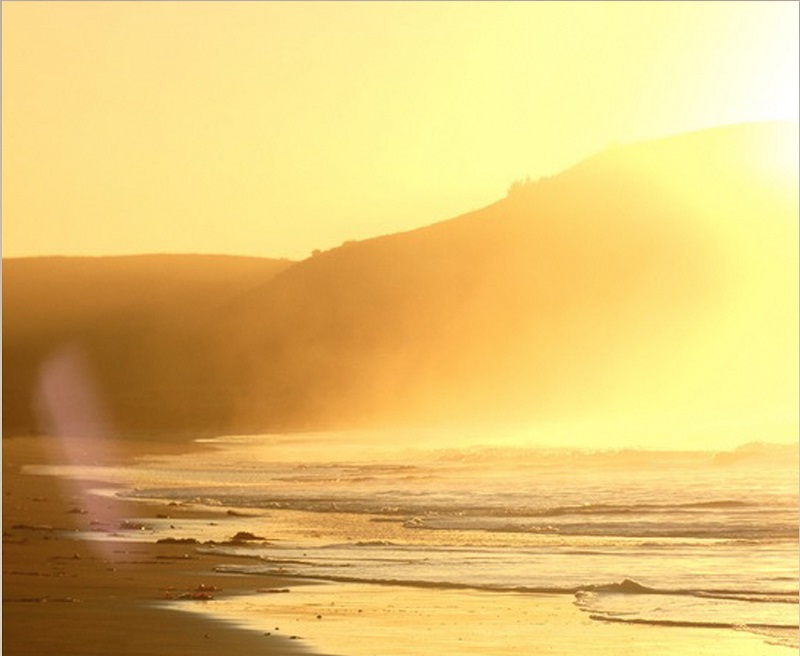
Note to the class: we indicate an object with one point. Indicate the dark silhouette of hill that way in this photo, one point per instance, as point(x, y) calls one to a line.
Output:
point(655, 280)
point(139, 323)
point(658, 277)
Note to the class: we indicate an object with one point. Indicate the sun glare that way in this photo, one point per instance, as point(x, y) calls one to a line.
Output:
point(781, 157)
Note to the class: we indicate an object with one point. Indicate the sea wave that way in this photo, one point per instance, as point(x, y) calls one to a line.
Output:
point(631, 602)
point(722, 518)
point(760, 530)
point(581, 592)
point(630, 587)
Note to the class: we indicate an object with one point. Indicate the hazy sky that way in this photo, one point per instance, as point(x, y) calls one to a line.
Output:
point(273, 128)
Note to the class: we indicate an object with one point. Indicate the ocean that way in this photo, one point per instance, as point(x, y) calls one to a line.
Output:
point(676, 540)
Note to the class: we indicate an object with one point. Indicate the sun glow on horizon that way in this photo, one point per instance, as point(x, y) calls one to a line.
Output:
point(274, 129)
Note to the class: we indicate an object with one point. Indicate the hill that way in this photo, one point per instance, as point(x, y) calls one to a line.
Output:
point(655, 280)
point(137, 323)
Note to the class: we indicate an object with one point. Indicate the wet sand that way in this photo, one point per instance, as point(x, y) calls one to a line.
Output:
point(66, 596)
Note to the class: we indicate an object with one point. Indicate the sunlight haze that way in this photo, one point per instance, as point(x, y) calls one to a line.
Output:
point(473, 325)
point(273, 129)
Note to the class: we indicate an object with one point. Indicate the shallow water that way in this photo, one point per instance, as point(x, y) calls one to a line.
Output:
point(668, 539)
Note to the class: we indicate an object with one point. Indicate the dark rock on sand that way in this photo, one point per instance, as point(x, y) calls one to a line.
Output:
point(246, 536)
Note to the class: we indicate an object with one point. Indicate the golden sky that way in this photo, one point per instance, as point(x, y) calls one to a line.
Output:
point(273, 128)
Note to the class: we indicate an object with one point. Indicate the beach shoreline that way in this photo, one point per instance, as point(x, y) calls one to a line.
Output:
point(71, 596)
point(68, 593)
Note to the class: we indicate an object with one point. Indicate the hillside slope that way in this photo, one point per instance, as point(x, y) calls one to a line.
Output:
point(138, 324)
point(655, 281)
point(658, 277)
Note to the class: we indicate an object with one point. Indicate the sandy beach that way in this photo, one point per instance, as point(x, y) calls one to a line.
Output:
point(62, 595)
